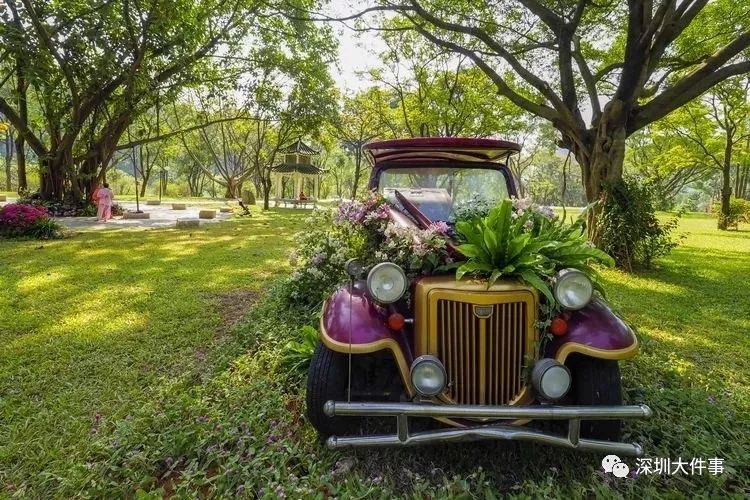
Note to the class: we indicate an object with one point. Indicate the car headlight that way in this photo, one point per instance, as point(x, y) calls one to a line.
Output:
point(386, 282)
point(428, 375)
point(573, 289)
point(551, 379)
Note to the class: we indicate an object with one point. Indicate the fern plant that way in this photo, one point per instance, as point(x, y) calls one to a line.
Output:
point(525, 245)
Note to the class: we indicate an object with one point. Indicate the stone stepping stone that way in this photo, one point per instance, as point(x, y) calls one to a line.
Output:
point(179, 206)
point(153, 202)
point(136, 215)
point(3, 197)
point(225, 210)
point(207, 214)
point(188, 223)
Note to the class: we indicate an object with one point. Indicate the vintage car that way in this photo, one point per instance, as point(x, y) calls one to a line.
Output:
point(465, 356)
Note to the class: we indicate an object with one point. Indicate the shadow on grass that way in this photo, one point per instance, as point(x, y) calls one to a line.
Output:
point(91, 325)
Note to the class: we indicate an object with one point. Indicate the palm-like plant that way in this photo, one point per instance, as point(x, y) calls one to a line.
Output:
point(526, 245)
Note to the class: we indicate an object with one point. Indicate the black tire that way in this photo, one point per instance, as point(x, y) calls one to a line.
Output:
point(596, 382)
point(327, 380)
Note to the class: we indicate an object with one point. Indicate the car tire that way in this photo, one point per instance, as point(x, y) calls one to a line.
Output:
point(327, 380)
point(597, 382)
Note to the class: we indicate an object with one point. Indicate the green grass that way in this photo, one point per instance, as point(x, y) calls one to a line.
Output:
point(90, 326)
point(123, 324)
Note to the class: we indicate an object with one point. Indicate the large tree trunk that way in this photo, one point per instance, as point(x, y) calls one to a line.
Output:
point(8, 160)
point(726, 186)
point(23, 184)
point(234, 189)
point(23, 113)
point(601, 154)
point(266, 185)
point(52, 177)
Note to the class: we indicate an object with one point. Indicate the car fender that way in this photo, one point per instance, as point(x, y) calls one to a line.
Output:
point(595, 331)
point(351, 321)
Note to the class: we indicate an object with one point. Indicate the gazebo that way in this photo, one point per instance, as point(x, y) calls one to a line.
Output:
point(298, 168)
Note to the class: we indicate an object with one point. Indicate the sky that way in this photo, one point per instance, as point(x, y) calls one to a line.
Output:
point(357, 50)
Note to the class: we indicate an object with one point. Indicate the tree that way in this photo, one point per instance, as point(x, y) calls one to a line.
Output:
point(625, 64)
point(717, 124)
point(222, 149)
point(355, 125)
point(433, 92)
point(95, 66)
point(289, 97)
point(665, 160)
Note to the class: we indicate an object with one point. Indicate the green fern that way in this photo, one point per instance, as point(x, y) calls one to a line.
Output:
point(529, 247)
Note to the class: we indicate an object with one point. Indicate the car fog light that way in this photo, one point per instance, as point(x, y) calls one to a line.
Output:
point(573, 289)
point(386, 282)
point(551, 379)
point(428, 375)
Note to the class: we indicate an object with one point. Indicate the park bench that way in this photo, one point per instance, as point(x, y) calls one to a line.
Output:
point(296, 203)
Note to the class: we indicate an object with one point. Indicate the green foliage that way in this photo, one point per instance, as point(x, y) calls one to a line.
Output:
point(739, 211)
point(525, 244)
point(628, 228)
point(297, 353)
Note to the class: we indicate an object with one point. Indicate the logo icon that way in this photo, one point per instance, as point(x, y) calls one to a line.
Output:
point(613, 465)
point(482, 312)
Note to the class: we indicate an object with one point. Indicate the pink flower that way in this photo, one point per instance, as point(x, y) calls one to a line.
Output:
point(440, 227)
point(21, 215)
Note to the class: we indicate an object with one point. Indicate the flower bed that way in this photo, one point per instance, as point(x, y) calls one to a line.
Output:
point(27, 220)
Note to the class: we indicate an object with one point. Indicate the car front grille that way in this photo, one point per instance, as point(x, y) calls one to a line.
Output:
point(483, 357)
point(483, 339)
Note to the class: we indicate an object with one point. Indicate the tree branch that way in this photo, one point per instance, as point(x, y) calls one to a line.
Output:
point(687, 89)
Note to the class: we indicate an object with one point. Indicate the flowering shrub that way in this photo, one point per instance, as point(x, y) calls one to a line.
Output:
point(362, 230)
point(23, 219)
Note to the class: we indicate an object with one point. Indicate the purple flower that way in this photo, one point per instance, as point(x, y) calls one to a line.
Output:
point(440, 227)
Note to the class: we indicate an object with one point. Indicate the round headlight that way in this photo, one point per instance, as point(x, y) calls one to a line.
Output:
point(386, 282)
point(551, 379)
point(428, 375)
point(573, 289)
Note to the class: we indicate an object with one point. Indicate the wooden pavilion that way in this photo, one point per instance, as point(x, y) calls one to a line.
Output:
point(297, 179)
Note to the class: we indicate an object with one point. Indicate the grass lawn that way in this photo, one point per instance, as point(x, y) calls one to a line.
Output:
point(120, 372)
point(89, 326)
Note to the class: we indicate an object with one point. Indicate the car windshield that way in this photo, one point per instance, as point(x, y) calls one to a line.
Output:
point(438, 191)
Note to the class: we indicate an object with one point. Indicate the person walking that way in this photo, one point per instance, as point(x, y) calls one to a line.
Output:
point(104, 197)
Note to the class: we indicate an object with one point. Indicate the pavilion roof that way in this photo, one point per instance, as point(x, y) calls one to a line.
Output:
point(299, 147)
point(302, 168)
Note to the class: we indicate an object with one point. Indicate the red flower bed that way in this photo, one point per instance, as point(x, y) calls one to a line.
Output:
point(21, 215)
point(27, 220)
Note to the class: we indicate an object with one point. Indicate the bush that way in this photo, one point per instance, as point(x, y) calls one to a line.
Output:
point(739, 211)
point(26, 220)
point(67, 208)
point(361, 230)
point(628, 228)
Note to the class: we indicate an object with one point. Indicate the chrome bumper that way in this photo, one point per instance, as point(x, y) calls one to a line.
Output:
point(573, 414)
